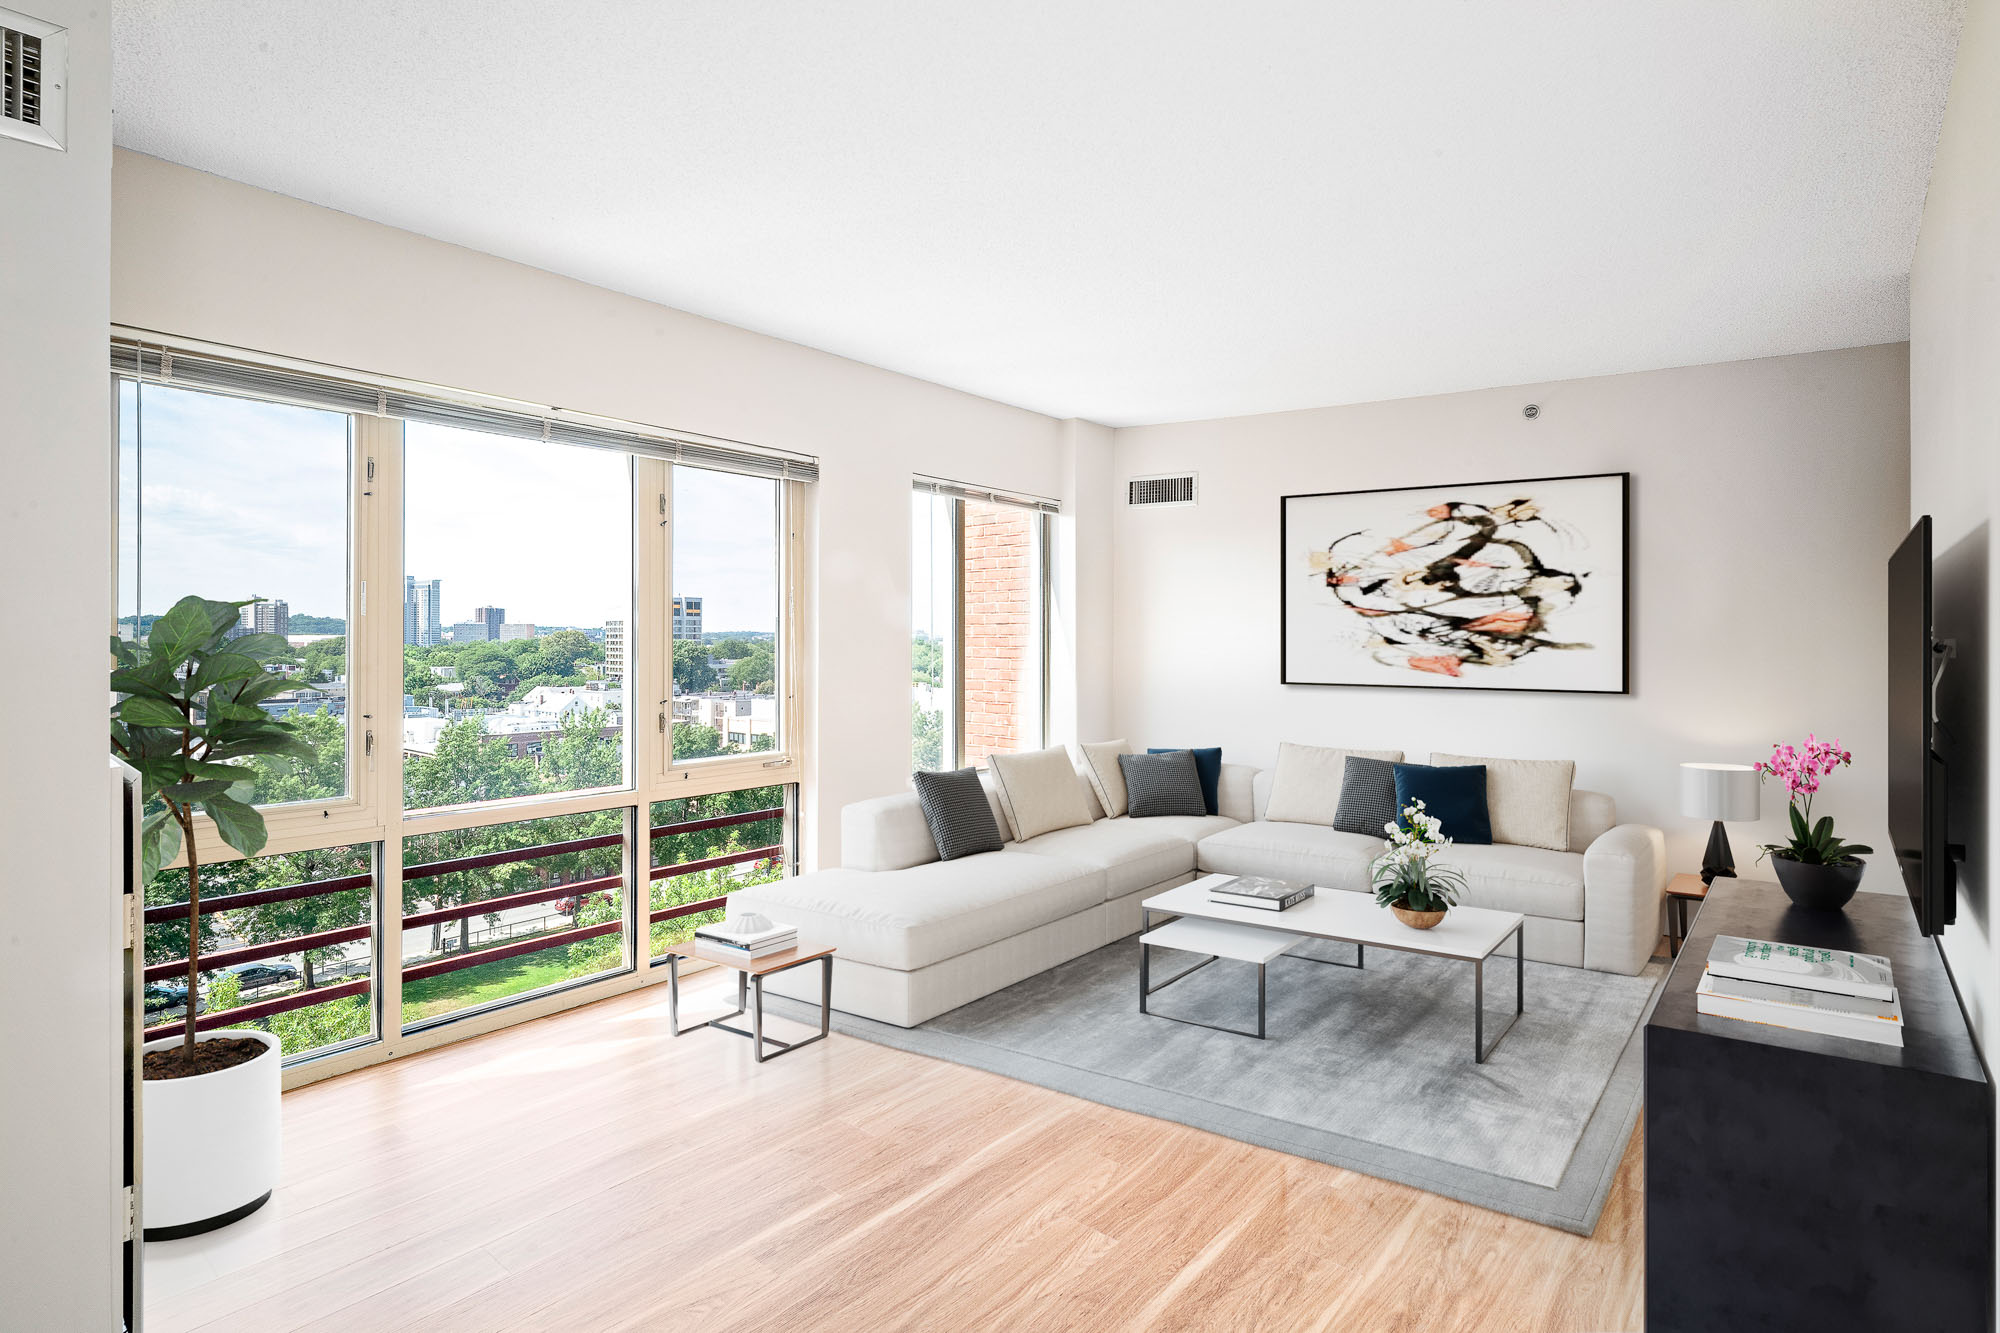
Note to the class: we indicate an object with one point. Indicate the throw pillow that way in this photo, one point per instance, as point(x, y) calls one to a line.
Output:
point(1527, 800)
point(1367, 797)
point(1305, 786)
point(1040, 791)
point(956, 809)
point(1100, 761)
point(1208, 767)
point(1162, 784)
point(1455, 795)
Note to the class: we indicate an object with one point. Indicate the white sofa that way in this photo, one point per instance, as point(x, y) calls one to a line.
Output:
point(918, 936)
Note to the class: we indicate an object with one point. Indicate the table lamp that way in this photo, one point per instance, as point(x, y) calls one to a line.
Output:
point(1718, 792)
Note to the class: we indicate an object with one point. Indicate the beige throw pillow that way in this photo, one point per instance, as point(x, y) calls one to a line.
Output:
point(1305, 786)
point(1040, 791)
point(1100, 761)
point(1527, 800)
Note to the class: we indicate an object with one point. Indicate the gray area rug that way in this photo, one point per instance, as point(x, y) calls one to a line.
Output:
point(1368, 1069)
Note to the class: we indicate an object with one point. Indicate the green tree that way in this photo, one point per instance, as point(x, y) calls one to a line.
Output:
point(319, 776)
point(696, 742)
point(756, 672)
point(294, 917)
point(731, 649)
point(926, 738)
point(324, 659)
point(926, 661)
point(581, 755)
point(692, 672)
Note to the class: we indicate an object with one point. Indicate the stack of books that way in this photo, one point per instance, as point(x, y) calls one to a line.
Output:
point(729, 943)
point(1833, 991)
point(1272, 895)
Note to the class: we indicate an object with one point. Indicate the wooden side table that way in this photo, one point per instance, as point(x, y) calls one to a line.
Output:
point(750, 974)
point(1681, 890)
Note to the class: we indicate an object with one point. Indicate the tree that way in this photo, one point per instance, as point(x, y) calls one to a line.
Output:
point(730, 649)
point(294, 917)
point(692, 672)
point(696, 742)
point(320, 777)
point(186, 715)
point(926, 661)
point(756, 672)
point(926, 738)
point(581, 755)
point(323, 659)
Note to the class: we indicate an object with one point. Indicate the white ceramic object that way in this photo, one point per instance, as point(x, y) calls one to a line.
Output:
point(749, 923)
point(211, 1142)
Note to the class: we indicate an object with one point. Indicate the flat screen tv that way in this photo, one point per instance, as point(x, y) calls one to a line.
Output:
point(1916, 772)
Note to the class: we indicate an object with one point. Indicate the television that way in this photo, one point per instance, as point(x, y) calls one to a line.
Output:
point(1916, 771)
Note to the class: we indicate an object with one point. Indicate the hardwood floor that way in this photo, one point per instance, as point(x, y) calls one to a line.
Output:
point(588, 1171)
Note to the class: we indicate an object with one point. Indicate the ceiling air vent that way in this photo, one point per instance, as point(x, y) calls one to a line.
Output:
point(33, 56)
point(1153, 492)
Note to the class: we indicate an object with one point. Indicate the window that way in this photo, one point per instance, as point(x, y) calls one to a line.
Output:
point(231, 499)
point(979, 631)
point(471, 590)
point(508, 535)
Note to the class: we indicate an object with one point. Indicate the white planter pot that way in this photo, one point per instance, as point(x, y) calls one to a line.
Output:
point(211, 1145)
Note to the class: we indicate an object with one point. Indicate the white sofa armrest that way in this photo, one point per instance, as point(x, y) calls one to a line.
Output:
point(1233, 793)
point(1624, 878)
point(887, 833)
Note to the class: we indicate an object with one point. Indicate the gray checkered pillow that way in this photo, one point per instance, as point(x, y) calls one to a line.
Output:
point(1162, 784)
point(955, 807)
point(1367, 797)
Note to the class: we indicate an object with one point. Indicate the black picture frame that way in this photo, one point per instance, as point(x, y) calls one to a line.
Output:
point(1623, 544)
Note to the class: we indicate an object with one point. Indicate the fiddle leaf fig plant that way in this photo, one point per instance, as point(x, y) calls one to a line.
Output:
point(186, 716)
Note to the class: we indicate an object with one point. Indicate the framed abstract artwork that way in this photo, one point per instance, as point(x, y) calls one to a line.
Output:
point(1497, 585)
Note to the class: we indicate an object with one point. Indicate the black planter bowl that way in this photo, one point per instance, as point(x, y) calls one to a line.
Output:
point(1819, 888)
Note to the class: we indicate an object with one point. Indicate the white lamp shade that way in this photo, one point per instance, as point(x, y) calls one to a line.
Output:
point(1719, 791)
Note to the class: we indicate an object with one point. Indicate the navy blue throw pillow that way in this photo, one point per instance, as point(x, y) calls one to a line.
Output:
point(1456, 795)
point(1207, 766)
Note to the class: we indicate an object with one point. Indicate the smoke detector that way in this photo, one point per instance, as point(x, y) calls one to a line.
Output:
point(34, 63)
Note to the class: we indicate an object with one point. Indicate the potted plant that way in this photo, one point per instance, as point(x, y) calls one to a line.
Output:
point(186, 716)
point(1816, 869)
point(1406, 880)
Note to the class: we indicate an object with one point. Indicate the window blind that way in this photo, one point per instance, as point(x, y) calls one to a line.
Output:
point(165, 364)
point(959, 490)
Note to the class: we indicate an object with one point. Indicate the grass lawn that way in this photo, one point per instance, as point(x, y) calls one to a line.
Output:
point(447, 994)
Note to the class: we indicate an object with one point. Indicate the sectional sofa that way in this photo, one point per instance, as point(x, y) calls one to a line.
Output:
point(918, 936)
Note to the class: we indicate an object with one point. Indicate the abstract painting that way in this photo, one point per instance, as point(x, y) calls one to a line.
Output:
point(1510, 585)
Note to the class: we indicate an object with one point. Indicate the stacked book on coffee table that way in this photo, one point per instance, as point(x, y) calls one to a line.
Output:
point(1832, 991)
point(728, 942)
point(1272, 895)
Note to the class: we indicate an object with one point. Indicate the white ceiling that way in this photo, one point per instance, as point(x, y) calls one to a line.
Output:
point(1130, 212)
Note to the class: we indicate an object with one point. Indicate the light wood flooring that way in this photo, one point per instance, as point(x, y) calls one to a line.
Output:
point(590, 1172)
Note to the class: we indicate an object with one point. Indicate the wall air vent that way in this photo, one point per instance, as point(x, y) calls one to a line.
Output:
point(33, 59)
point(1154, 492)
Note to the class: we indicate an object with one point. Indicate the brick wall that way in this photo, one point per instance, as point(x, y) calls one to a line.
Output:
point(1002, 627)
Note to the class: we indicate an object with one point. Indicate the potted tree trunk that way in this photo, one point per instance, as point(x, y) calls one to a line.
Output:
point(1406, 882)
point(186, 716)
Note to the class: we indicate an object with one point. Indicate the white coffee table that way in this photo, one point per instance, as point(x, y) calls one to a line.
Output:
point(1471, 934)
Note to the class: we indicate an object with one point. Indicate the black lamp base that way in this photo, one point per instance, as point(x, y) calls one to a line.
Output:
point(1717, 862)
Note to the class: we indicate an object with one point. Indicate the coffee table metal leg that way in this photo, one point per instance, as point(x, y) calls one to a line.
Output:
point(1145, 973)
point(825, 994)
point(1480, 1050)
point(1479, 1011)
point(1260, 1002)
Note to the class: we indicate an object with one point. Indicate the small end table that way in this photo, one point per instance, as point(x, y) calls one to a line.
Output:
point(1681, 890)
point(750, 974)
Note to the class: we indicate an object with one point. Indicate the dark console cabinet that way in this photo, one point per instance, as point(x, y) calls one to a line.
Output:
point(1795, 1181)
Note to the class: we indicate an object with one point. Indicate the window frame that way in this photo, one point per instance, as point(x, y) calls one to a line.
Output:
point(372, 812)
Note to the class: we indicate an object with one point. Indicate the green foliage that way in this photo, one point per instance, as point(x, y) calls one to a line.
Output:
point(926, 738)
point(318, 1025)
point(696, 742)
point(757, 672)
point(323, 660)
point(1816, 844)
point(731, 648)
point(692, 672)
point(926, 661)
point(303, 624)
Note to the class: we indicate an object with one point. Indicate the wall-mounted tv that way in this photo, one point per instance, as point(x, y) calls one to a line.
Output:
point(1916, 771)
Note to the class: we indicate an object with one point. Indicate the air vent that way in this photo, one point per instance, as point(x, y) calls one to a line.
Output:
point(33, 56)
point(1153, 492)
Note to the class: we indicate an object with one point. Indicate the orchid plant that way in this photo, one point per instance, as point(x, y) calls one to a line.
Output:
point(1800, 771)
point(1404, 875)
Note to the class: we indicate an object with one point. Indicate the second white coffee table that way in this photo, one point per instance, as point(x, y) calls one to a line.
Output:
point(1470, 934)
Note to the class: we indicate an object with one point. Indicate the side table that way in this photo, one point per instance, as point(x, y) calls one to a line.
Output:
point(750, 974)
point(1682, 890)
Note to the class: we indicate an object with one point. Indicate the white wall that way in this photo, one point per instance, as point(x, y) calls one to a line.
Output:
point(202, 257)
point(1955, 478)
point(1766, 497)
point(58, 954)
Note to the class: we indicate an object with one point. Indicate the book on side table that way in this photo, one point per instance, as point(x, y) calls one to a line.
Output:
point(1271, 895)
point(1831, 991)
point(751, 944)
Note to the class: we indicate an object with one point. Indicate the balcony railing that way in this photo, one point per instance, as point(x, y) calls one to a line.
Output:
point(458, 912)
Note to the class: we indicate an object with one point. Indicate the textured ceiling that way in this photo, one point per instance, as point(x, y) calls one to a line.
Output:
point(1127, 212)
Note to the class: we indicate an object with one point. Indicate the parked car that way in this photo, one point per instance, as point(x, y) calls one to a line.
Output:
point(164, 995)
point(261, 974)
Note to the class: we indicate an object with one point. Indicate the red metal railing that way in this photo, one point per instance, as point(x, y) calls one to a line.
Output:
point(171, 912)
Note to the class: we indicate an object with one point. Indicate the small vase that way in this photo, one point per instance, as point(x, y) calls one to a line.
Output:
point(1416, 920)
point(1820, 888)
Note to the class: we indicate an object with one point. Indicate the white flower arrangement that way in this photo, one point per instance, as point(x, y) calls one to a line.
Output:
point(1403, 875)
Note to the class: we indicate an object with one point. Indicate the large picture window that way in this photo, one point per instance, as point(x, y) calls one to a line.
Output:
point(546, 669)
point(979, 626)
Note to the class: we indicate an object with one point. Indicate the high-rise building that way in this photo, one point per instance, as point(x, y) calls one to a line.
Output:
point(423, 624)
point(492, 617)
point(614, 649)
point(469, 631)
point(687, 618)
point(517, 631)
point(271, 616)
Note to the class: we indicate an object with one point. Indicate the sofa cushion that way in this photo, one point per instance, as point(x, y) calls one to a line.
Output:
point(1107, 781)
point(1208, 764)
point(1454, 796)
point(956, 812)
point(1162, 784)
point(1532, 880)
point(887, 833)
point(1133, 854)
point(1527, 800)
point(907, 919)
point(1305, 786)
point(1039, 791)
point(1307, 853)
point(1367, 797)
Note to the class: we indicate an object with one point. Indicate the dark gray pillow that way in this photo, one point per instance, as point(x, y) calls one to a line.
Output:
point(1162, 784)
point(956, 809)
point(1367, 797)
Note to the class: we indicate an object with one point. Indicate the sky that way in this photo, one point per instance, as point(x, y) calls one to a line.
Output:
point(236, 498)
